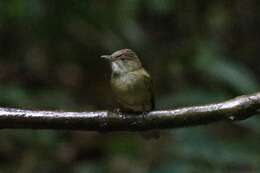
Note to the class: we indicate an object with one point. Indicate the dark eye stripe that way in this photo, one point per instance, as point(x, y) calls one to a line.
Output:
point(123, 57)
point(117, 56)
point(126, 58)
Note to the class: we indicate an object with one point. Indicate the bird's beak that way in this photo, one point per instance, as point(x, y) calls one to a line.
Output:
point(108, 57)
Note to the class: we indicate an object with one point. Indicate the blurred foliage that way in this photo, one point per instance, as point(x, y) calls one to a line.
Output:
point(198, 52)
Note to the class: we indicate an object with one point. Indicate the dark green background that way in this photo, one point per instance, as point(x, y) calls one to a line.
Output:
point(197, 52)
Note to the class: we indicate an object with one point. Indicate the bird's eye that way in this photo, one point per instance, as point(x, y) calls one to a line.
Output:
point(123, 58)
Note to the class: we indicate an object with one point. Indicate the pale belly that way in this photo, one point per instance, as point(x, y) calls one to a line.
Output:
point(131, 92)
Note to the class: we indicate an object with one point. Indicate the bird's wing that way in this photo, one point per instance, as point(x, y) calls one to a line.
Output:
point(149, 84)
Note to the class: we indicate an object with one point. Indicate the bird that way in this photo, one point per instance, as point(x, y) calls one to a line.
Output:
point(132, 85)
point(130, 82)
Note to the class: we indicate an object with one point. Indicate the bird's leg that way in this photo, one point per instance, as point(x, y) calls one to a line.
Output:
point(117, 110)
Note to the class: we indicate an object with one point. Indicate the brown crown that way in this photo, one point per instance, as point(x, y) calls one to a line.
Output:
point(124, 54)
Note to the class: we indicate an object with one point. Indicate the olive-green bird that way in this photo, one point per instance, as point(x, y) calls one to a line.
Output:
point(130, 82)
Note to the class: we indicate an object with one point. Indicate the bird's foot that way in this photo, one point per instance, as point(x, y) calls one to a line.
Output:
point(117, 110)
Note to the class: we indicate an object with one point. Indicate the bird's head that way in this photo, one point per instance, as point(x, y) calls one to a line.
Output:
point(123, 61)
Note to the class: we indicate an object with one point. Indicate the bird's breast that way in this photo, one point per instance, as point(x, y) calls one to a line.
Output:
point(125, 82)
point(130, 88)
point(132, 91)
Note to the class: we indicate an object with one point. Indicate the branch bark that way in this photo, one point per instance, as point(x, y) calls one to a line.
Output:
point(238, 108)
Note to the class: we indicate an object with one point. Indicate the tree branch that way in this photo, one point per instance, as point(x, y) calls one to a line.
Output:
point(238, 108)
